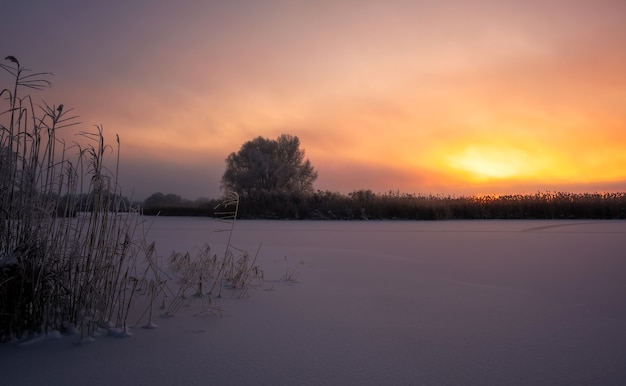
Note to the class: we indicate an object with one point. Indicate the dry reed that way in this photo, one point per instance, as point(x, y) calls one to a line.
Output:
point(60, 268)
point(73, 255)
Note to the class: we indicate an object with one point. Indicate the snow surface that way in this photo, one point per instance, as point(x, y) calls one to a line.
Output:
point(376, 303)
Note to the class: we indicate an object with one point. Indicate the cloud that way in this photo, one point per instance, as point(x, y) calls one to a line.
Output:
point(384, 92)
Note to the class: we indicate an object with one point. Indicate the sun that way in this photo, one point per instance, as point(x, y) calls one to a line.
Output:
point(481, 163)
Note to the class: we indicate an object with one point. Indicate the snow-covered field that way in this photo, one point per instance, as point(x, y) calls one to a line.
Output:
point(377, 303)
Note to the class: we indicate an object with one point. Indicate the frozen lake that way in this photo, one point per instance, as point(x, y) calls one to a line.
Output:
point(393, 303)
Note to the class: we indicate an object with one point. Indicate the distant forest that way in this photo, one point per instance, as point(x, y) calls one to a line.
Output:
point(367, 205)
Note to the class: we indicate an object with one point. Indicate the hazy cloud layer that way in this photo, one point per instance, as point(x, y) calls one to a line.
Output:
point(432, 97)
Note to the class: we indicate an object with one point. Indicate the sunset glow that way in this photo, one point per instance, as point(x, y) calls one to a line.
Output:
point(422, 97)
point(494, 163)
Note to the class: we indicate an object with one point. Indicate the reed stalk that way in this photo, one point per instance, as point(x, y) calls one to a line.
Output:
point(66, 239)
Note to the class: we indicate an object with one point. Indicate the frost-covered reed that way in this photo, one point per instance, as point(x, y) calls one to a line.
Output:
point(73, 254)
point(59, 268)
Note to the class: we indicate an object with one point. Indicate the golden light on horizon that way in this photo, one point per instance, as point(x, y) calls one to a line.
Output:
point(481, 163)
point(484, 162)
point(512, 160)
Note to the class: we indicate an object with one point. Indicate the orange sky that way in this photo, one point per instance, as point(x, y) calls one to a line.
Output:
point(417, 96)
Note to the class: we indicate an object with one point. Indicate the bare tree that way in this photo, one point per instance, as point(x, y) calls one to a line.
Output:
point(266, 165)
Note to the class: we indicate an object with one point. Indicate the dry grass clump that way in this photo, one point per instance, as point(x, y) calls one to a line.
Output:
point(206, 275)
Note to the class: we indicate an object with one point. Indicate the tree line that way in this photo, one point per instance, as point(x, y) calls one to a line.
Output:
point(367, 205)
